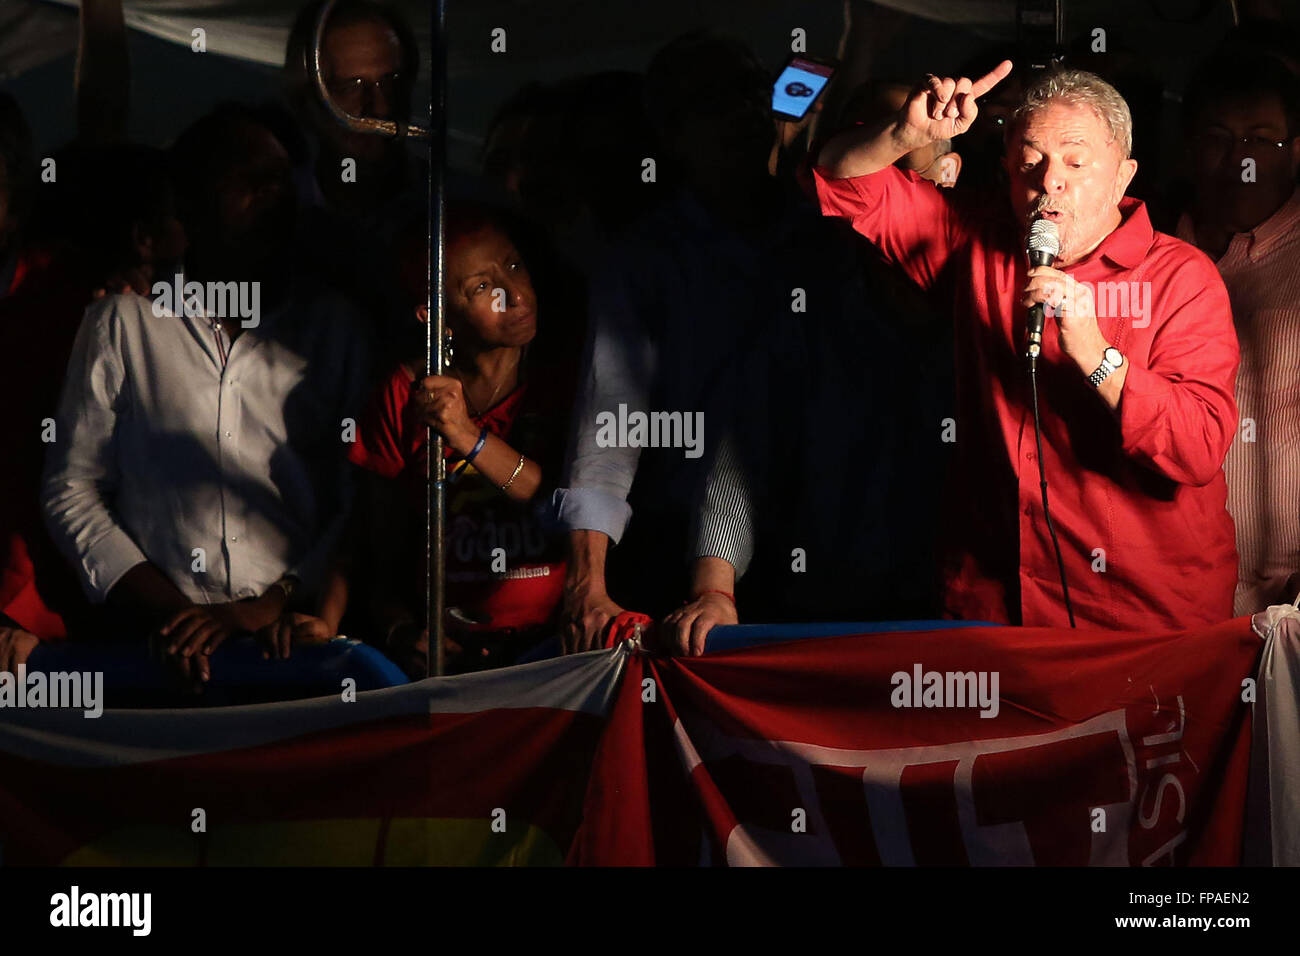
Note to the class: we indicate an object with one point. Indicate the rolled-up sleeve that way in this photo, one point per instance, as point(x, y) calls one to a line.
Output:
point(915, 224)
point(1178, 414)
point(81, 470)
point(618, 370)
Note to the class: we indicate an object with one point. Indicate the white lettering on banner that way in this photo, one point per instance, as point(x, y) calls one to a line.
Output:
point(1001, 843)
point(1168, 781)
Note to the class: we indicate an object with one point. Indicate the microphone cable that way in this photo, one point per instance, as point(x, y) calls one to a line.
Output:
point(1042, 477)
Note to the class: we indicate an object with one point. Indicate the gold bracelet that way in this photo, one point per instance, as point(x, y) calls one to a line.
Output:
point(518, 468)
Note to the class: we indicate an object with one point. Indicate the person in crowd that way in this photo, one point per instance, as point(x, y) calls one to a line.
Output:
point(198, 480)
point(691, 290)
point(795, 541)
point(782, 537)
point(108, 221)
point(1243, 128)
point(762, 516)
point(370, 62)
point(354, 188)
point(501, 408)
point(1137, 403)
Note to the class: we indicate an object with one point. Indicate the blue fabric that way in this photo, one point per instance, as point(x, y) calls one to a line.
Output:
point(750, 635)
point(239, 674)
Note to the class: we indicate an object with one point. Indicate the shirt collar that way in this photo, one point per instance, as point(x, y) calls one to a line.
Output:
point(1276, 228)
point(1127, 244)
point(266, 317)
point(1263, 238)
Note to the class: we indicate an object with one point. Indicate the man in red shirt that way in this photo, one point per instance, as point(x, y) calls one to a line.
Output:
point(1135, 379)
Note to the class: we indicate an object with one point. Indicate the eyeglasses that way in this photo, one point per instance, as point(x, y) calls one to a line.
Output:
point(1221, 142)
point(352, 89)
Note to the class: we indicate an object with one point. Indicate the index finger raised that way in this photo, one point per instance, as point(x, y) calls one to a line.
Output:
point(991, 79)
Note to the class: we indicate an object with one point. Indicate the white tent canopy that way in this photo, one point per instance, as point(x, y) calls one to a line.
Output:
point(547, 40)
point(35, 31)
point(253, 30)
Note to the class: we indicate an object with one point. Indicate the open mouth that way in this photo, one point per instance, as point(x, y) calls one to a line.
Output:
point(1055, 215)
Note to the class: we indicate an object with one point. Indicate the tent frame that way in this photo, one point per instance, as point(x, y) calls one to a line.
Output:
point(435, 471)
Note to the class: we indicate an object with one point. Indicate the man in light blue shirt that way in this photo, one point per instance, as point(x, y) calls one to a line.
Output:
point(686, 296)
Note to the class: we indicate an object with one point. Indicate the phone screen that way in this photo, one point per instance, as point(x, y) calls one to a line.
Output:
point(798, 86)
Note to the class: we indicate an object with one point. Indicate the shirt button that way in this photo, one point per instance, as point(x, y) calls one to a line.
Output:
point(234, 538)
point(228, 435)
point(1029, 456)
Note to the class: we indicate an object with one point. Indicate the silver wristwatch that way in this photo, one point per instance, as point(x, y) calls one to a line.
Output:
point(1111, 360)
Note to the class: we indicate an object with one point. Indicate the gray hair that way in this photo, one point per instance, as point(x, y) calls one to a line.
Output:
point(1080, 88)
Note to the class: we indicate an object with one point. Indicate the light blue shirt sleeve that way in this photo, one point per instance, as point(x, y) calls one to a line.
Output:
point(619, 368)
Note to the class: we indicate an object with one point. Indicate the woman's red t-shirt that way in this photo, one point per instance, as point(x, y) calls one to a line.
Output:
point(480, 518)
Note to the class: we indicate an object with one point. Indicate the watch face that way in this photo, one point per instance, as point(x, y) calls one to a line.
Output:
point(1114, 357)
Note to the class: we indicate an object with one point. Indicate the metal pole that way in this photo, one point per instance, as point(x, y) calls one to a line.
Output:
point(435, 550)
point(435, 472)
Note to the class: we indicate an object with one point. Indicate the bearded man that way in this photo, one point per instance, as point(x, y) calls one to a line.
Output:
point(1136, 374)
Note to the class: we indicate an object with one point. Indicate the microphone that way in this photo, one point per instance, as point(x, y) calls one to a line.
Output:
point(1043, 246)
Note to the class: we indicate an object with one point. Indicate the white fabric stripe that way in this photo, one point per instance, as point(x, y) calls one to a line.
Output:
point(579, 682)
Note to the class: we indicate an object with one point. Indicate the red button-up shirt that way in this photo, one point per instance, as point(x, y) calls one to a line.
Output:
point(1137, 495)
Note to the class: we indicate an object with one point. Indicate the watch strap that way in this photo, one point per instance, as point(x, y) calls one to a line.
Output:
point(1102, 371)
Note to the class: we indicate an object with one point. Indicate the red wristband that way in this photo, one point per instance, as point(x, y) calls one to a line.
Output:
point(726, 594)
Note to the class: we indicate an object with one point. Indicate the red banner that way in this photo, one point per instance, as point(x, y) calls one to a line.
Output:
point(973, 746)
point(1102, 748)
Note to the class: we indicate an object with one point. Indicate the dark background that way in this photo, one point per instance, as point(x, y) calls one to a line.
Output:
point(546, 40)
